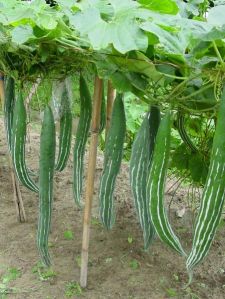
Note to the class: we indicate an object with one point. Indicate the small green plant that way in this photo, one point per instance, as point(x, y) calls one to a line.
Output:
point(171, 293)
point(130, 240)
point(78, 260)
point(95, 221)
point(73, 289)
point(134, 264)
point(10, 275)
point(68, 235)
point(43, 272)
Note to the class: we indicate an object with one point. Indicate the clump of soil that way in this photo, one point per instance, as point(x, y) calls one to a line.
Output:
point(118, 265)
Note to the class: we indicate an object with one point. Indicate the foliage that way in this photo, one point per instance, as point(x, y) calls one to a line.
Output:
point(155, 40)
point(73, 289)
point(167, 53)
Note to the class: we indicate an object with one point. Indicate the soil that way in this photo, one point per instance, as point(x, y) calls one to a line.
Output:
point(118, 265)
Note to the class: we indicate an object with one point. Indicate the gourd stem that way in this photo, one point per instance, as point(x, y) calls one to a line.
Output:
point(111, 94)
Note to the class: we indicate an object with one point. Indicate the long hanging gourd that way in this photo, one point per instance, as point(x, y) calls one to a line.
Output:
point(46, 166)
point(8, 108)
point(156, 185)
point(18, 142)
point(141, 156)
point(65, 134)
point(183, 133)
point(81, 139)
point(112, 162)
point(212, 198)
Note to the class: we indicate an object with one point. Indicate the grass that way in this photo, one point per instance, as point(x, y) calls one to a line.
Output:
point(68, 235)
point(10, 275)
point(73, 289)
point(43, 273)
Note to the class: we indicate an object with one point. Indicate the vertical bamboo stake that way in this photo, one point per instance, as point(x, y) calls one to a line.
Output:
point(17, 197)
point(111, 94)
point(90, 179)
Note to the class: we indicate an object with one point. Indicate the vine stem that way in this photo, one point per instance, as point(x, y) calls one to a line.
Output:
point(90, 178)
point(17, 197)
point(111, 94)
point(218, 53)
point(197, 92)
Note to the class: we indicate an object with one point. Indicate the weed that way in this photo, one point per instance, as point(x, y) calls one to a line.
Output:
point(73, 289)
point(68, 235)
point(43, 273)
point(134, 264)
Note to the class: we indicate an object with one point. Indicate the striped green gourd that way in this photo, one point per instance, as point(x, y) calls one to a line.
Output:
point(18, 142)
point(8, 108)
point(65, 134)
point(140, 162)
point(112, 162)
point(156, 185)
point(81, 139)
point(46, 169)
point(213, 196)
point(183, 133)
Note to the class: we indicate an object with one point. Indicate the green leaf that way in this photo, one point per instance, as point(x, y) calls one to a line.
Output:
point(46, 22)
point(216, 16)
point(137, 62)
point(121, 82)
point(20, 15)
point(22, 34)
point(122, 32)
point(170, 42)
point(196, 166)
point(162, 6)
point(130, 240)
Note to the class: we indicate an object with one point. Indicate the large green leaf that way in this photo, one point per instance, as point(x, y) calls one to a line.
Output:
point(216, 16)
point(122, 32)
point(162, 6)
point(22, 34)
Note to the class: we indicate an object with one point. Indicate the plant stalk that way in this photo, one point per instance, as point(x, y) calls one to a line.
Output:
point(111, 94)
point(90, 178)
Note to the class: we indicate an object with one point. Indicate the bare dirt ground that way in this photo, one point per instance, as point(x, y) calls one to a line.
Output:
point(118, 266)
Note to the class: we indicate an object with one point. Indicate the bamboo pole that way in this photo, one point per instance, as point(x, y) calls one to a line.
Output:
point(90, 179)
point(111, 94)
point(17, 197)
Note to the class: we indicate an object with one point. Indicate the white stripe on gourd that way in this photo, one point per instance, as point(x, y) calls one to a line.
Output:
point(46, 166)
point(141, 156)
point(81, 139)
point(213, 196)
point(156, 186)
point(65, 134)
point(112, 161)
point(18, 142)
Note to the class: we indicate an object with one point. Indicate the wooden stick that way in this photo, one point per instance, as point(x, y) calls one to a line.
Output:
point(17, 197)
point(90, 179)
point(111, 94)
